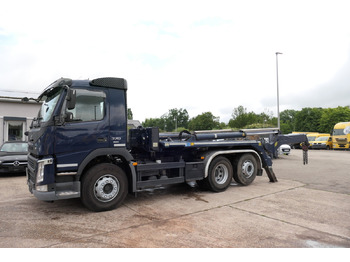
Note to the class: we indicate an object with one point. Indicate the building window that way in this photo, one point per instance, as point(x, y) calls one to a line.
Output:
point(14, 128)
point(15, 131)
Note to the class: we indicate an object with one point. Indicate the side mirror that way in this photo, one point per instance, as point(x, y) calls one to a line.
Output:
point(68, 117)
point(71, 99)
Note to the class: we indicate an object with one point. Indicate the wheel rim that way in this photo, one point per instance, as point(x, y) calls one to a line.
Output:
point(248, 168)
point(221, 174)
point(106, 188)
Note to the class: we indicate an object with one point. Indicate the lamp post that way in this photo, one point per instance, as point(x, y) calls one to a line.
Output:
point(175, 119)
point(278, 95)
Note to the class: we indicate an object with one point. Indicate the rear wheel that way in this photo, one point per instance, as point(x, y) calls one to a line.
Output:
point(104, 187)
point(219, 175)
point(246, 169)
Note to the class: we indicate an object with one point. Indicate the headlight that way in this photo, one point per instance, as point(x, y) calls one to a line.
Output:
point(40, 173)
point(41, 169)
point(41, 188)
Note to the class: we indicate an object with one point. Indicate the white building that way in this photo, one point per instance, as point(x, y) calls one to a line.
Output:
point(16, 115)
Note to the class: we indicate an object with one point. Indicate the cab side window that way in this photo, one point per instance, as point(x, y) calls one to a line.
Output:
point(90, 106)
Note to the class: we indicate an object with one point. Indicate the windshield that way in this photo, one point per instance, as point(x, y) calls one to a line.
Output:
point(49, 104)
point(322, 138)
point(338, 132)
point(14, 147)
point(311, 138)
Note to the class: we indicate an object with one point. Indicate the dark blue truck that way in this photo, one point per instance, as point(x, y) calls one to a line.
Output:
point(80, 146)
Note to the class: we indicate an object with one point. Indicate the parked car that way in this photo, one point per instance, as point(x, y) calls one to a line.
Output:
point(13, 157)
point(284, 149)
point(323, 142)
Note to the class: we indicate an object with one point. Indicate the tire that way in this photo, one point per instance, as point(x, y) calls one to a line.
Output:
point(104, 187)
point(219, 176)
point(246, 169)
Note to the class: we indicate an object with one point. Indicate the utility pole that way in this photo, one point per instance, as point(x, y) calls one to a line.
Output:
point(278, 94)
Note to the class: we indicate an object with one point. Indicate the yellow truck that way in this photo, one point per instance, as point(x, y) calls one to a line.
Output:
point(312, 136)
point(341, 135)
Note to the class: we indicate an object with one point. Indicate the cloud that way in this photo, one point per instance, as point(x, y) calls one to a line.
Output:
point(199, 55)
point(331, 93)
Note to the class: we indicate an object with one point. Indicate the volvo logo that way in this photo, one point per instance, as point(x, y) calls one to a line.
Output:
point(16, 163)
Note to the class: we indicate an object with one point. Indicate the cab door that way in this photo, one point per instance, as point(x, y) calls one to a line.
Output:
point(86, 128)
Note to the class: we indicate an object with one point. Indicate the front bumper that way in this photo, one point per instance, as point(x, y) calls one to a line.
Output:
point(63, 191)
point(54, 191)
point(12, 169)
point(41, 181)
point(318, 146)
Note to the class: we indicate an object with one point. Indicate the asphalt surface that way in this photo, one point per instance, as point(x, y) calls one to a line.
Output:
point(308, 207)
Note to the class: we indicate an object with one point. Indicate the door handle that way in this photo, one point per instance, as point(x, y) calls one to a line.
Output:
point(101, 139)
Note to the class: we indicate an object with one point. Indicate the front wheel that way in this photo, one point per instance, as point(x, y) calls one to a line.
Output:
point(104, 187)
point(246, 169)
point(219, 176)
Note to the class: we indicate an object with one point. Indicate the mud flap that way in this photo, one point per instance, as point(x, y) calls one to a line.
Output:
point(271, 174)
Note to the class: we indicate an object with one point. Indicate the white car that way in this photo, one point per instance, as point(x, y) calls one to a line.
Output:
point(284, 149)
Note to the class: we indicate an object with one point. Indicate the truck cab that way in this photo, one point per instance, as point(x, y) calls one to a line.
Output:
point(341, 135)
point(80, 121)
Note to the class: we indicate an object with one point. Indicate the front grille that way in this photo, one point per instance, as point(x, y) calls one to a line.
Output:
point(14, 163)
point(32, 167)
point(32, 162)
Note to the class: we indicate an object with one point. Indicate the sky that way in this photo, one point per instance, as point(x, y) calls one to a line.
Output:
point(197, 55)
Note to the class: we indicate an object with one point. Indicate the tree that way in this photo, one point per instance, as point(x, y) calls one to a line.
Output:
point(241, 118)
point(308, 119)
point(173, 120)
point(287, 118)
point(130, 114)
point(154, 122)
point(176, 118)
point(266, 119)
point(205, 121)
point(331, 116)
